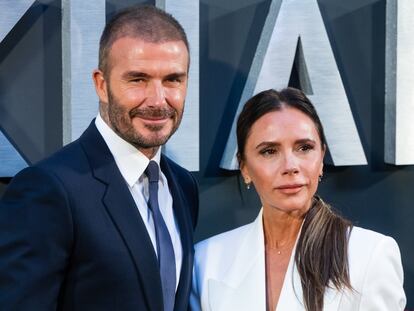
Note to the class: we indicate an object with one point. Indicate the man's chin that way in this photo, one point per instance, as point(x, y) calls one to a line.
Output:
point(151, 140)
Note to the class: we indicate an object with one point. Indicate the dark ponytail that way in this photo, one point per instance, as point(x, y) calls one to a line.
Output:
point(322, 254)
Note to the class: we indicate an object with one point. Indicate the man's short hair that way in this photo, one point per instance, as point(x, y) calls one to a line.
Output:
point(145, 22)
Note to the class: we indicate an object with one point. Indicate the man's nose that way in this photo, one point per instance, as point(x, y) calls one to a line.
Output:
point(155, 93)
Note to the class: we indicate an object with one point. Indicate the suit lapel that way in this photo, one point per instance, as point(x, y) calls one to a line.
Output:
point(184, 224)
point(121, 207)
point(243, 287)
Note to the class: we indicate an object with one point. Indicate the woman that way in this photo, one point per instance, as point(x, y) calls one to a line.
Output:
point(298, 254)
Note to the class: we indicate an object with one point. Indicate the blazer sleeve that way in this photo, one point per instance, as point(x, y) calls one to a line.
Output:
point(382, 288)
point(35, 241)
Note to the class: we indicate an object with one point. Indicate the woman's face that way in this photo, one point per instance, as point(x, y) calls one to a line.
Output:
point(283, 157)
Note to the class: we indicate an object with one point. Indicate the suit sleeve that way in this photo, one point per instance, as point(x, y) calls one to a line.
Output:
point(35, 240)
point(383, 284)
point(195, 201)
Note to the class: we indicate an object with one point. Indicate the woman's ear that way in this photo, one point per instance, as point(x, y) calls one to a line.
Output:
point(244, 172)
point(323, 156)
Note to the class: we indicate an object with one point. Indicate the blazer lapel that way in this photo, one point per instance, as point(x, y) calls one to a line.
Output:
point(186, 233)
point(291, 295)
point(243, 287)
point(121, 207)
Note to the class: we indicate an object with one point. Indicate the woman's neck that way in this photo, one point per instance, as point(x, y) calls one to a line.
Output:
point(280, 228)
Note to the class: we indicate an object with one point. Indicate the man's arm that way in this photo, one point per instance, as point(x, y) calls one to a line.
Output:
point(35, 240)
point(195, 208)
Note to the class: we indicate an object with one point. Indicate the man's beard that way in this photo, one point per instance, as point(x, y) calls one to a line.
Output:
point(121, 122)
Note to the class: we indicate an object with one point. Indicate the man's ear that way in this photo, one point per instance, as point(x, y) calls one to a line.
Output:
point(100, 86)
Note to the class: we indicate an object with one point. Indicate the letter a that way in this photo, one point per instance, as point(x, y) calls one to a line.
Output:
point(294, 36)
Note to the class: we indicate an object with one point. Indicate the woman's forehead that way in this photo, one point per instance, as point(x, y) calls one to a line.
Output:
point(282, 124)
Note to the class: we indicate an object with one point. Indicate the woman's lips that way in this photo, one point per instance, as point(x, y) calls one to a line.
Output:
point(290, 188)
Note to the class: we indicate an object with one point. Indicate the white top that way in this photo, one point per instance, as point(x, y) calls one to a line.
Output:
point(132, 164)
point(229, 274)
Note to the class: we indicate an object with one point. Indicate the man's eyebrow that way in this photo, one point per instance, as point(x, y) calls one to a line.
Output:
point(134, 74)
point(176, 75)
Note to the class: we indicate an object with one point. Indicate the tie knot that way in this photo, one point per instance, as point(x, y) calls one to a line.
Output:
point(152, 171)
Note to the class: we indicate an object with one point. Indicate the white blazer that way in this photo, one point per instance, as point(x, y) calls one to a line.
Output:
point(229, 274)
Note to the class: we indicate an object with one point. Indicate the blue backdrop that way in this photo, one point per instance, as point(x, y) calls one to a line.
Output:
point(376, 196)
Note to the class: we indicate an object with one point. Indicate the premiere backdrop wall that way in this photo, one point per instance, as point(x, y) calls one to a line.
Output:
point(377, 195)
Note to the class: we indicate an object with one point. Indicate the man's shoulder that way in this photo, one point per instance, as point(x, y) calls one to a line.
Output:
point(172, 164)
point(68, 156)
point(72, 155)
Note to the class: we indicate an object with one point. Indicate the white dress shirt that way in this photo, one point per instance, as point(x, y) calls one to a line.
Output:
point(132, 164)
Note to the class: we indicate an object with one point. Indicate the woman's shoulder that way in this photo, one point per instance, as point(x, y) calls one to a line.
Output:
point(215, 255)
point(375, 271)
point(368, 251)
point(365, 241)
point(364, 244)
point(223, 242)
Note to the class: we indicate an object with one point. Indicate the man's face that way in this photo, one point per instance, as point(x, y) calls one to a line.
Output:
point(142, 96)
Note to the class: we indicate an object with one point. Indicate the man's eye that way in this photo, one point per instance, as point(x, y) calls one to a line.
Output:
point(137, 80)
point(174, 80)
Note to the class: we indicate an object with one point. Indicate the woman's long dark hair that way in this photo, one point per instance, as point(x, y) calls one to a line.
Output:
point(322, 250)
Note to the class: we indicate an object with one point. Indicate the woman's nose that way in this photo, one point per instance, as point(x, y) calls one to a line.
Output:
point(290, 164)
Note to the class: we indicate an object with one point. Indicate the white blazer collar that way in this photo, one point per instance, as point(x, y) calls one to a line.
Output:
point(243, 286)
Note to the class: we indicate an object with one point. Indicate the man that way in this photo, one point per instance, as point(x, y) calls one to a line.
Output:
point(106, 223)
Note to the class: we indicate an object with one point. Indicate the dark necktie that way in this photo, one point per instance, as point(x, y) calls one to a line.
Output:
point(165, 250)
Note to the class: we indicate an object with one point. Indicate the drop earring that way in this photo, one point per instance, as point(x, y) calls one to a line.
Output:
point(248, 183)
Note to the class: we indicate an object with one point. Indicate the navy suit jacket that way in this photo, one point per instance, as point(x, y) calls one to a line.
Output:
point(72, 238)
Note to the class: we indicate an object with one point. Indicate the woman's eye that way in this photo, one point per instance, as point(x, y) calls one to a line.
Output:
point(268, 151)
point(306, 148)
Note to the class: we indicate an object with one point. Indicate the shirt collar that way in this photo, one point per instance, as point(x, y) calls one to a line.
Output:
point(130, 161)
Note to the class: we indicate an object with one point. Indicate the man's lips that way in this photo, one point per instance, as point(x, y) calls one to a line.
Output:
point(153, 121)
point(153, 118)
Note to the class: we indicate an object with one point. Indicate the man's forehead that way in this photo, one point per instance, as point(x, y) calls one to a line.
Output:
point(127, 48)
point(137, 38)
